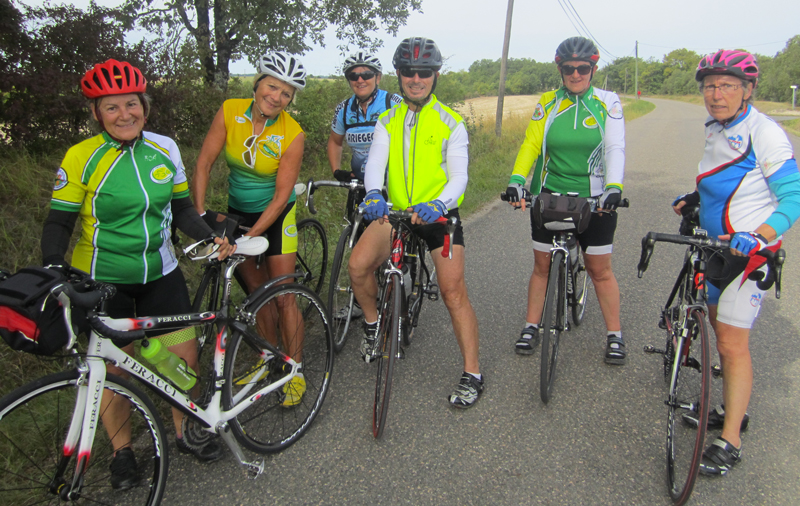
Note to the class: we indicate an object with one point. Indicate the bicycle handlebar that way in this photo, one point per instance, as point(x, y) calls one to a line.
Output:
point(354, 184)
point(775, 259)
point(529, 198)
point(450, 223)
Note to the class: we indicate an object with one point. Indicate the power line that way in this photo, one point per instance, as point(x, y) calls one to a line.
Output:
point(589, 32)
point(713, 48)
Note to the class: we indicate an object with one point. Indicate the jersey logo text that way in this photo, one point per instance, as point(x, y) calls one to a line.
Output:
point(240, 119)
point(61, 179)
point(735, 141)
point(161, 174)
point(538, 113)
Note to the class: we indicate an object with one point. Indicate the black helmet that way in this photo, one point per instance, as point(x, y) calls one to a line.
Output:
point(417, 52)
point(577, 49)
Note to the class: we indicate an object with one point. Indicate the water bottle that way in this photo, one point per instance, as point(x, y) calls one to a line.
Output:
point(168, 364)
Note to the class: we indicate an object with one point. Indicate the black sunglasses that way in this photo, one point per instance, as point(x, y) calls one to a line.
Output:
point(422, 73)
point(353, 76)
point(567, 70)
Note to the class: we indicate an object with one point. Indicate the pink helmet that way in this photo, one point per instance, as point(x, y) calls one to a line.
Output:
point(728, 61)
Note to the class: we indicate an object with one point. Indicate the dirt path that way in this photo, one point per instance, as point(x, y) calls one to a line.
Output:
point(485, 108)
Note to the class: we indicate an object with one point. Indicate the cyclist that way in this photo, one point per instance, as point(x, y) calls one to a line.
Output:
point(263, 149)
point(749, 190)
point(127, 185)
point(425, 145)
point(577, 139)
point(354, 119)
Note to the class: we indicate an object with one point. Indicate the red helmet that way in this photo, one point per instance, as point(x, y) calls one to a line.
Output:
point(728, 62)
point(112, 78)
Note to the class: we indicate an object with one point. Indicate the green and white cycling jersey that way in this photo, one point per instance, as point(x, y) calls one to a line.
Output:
point(123, 195)
point(577, 142)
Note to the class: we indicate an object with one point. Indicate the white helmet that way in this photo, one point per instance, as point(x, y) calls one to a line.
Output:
point(362, 59)
point(284, 66)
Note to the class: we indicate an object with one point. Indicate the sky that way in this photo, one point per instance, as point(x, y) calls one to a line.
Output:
point(470, 30)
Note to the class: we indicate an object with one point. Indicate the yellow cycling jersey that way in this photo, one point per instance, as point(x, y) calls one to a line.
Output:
point(253, 160)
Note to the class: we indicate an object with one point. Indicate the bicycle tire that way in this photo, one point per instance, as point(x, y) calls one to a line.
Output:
point(275, 421)
point(340, 293)
point(552, 318)
point(312, 254)
point(580, 293)
point(690, 386)
point(388, 336)
point(34, 420)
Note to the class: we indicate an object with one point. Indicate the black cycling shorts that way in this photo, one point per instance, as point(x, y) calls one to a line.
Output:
point(597, 238)
point(282, 234)
point(165, 296)
point(433, 233)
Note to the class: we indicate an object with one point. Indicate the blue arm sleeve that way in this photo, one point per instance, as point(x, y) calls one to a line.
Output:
point(786, 188)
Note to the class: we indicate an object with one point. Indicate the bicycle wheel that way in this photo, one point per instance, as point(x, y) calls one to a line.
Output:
point(580, 284)
point(276, 420)
point(312, 253)
point(689, 391)
point(340, 294)
point(34, 420)
point(552, 324)
point(388, 336)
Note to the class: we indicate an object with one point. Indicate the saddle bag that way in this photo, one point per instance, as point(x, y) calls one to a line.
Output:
point(31, 318)
point(560, 212)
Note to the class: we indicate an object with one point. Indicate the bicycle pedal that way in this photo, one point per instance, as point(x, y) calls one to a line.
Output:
point(716, 371)
point(654, 350)
point(432, 292)
point(662, 323)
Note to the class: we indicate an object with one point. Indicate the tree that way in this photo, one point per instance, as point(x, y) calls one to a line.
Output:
point(680, 59)
point(223, 30)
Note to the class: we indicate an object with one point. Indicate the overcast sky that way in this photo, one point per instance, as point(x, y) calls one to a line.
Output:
point(469, 30)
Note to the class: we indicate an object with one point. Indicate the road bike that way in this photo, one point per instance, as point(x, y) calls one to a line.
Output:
point(341, 301)
point(51, 449)
point(687, 355)
point(403, 284)
point(567, 289)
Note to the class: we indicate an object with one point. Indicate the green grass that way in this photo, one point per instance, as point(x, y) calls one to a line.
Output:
point(636, 108)
point(792, 126)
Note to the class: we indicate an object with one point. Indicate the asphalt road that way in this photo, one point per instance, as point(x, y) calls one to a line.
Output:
point(600, 440)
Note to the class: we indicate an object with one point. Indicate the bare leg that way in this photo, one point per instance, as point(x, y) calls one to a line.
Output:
point(453, 287)
point(369, 252)
point(605, 285)
point(737, 374)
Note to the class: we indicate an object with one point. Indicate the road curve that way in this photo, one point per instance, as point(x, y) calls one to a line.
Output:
point(600, 440)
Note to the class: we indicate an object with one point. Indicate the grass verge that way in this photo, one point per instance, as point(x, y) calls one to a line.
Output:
point(792, 126)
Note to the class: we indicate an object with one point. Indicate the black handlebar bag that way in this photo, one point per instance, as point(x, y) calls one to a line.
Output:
point(560, 212)
point(31, 318)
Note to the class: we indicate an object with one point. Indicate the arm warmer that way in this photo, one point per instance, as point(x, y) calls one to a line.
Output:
point(787, 190)
point(56, 233)
point(188, 221)
point(457, 163)
point(375, 170)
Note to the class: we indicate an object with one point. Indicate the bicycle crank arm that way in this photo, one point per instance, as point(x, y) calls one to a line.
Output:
point(652, 349)
point(253, 469)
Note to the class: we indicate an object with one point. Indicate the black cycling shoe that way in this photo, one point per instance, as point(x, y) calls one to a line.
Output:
point(716, 418)
point(124, 471)
point(208, 452)
point(719, 458)
point(528, 341)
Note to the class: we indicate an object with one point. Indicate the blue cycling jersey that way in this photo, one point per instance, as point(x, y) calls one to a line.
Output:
point(349, 120)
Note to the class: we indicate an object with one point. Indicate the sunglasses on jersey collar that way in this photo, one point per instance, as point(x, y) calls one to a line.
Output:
point(353, 76)
point(568, 70)
point(410, 72)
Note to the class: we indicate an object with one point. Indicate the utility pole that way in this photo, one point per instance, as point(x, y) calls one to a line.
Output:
point(503, 69)
point(636, 80)
point(794, 94)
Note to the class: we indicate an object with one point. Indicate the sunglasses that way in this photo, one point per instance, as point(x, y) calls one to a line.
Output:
point(422, 73)
point(568, 70)
point(249, 155)
point(353, 76)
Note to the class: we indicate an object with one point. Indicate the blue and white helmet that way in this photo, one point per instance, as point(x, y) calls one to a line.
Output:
point(362, 59)
point(284, 66)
